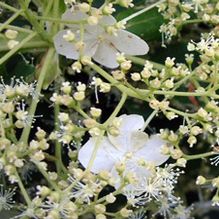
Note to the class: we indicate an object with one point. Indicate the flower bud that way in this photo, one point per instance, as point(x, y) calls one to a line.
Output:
point(100, 208)
point(110, 198)
point(136, 76)
point(92, 20)
point(69, 36)
point(192, 140)
point(89, 123)
point(95, 112)
point(11, 34)
point(126, 65)
point(12, 43)
point(84, 7)
point(125, 212)
point(79, 96)
point(200, 180)
point(181, 162)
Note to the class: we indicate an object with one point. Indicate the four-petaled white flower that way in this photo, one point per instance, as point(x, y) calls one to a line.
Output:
point(98, 43)
point(131, 142)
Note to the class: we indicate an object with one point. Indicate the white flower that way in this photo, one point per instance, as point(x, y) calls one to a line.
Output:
point(131, 142)
point(98, 43)
point(6, 198)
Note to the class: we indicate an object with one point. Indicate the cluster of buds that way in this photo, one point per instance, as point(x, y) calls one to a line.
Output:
point(11, 36)
point(177, 13)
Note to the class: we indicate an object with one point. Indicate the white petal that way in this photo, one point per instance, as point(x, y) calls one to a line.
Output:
point(65, 48)
point(105, 158)
point(94, 31)
point(91, 46)
point(129, 124)
point(74, 15)
point(107, 20)
point(138, 140)
point(151, 151)
point(129, 43)
point(106, 55)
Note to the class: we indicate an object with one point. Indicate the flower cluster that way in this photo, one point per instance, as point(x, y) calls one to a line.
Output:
point(178, 14)
point(100, 33)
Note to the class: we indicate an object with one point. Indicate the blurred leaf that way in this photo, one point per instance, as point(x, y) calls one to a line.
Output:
point(52, 74)
point(175, 49)
point(145, 25)
point(8, 214)
point(16, 67)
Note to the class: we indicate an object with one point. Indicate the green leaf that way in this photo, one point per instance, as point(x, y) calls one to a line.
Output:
point(16, 67)
point(52, 74)
point(8, 214)
point(145, 25)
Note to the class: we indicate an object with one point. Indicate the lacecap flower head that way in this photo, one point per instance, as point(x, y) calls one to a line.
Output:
point(100, 42)
point(131, 141)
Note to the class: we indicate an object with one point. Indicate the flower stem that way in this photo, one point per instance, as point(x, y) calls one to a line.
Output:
point(152, 115)
point(45, 68)
point(12, 18)
point(55, 14)
point(23, 190)
point(117, 109)
point(45, 174)
point(198, 156)
point(12, 27)
point(142, 11)
point(33, 45)
point(114, 82)
point(32, 19)
point(9, 7)
point(94, 152)
point(80, 111)
point(16, 48)
point(181, 113)
point(58, 147)
point(58, 20)
point(142, 61)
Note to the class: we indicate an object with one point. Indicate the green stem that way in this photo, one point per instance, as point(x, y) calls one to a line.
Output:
point(99, 138)
point(58, 20)
point(58, 147)
point(114, 82)
point(32, 19)
point(45, 68)
point(142, 11)
point(55, 26)
point(94, 152)
point(142, 61)
point(184, 114)
point(9, 7)
point(143, 93)
point(47, 9)
point(152, 115)
point(33, 45)
point(23, 190)
point(12, 27)
point(12, 18)
point(16, 48)
point(198, 156)
point(45, 174)
point(117, 109)
point(12, 131)
point(193, 21)
point(177, 93)
point(2, 130)
point(80, 111)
